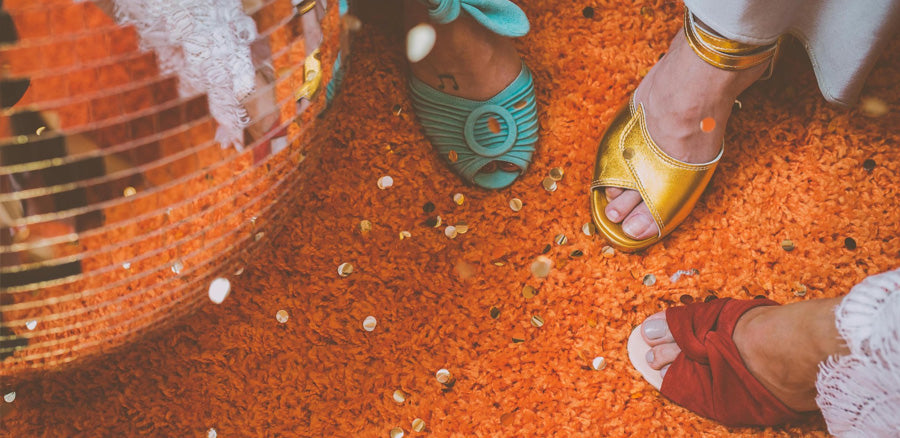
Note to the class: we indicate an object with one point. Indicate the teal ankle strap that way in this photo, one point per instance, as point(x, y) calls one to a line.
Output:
point(500, 16)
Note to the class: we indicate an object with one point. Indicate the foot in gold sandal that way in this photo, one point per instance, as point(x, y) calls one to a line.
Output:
point(660, 151)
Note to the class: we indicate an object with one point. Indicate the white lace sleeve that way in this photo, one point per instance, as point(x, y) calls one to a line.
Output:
point(205, 42)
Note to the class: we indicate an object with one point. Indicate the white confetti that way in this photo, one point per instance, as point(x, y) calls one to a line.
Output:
point(369, 323)
point(219, 290)
point(541, 266)
point(385, 182)
point(681, 272)
point(419, 42)
point(443, 375)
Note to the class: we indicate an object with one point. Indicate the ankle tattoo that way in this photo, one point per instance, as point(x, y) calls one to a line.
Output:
point(451, 78)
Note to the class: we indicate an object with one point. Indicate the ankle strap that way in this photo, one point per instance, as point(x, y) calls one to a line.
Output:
point(721, 52)
point(502, 17)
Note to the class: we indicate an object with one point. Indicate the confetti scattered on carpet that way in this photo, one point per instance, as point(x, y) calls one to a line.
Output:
point(793, 170)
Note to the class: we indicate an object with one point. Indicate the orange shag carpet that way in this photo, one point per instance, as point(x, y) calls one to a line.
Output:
point(793, 169)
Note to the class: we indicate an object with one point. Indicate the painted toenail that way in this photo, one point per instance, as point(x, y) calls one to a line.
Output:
point(613, 215)
point(655, 328)
point(636, 225)
point(649, 356)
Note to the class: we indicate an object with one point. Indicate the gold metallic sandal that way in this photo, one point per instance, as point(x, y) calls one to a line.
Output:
point(628, 158)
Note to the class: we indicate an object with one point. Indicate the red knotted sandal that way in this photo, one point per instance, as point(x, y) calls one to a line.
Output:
point(709, 377)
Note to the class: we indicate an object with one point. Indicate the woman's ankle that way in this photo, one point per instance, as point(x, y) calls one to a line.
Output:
point(467, 60)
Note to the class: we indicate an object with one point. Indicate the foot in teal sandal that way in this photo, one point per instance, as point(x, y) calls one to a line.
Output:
point(488, 143)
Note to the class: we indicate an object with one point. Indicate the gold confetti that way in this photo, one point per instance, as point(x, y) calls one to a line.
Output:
point(397, 433)
point(345, 269)
point(799, 290)
point(529, 292)
point(282, 316)
point(399, 396)
point(462, 227)
point(556, 173)
point(434, 222)
point(40, 130)
point(589, 229)
point(537, 321)
point(365, 226)
point(649, 280)
point(515, 204)
point(405, 235)
point(459, 198)
point(369, 323)
point(598, 363)
point(608, 251)
point(129, 191)
point(418, 425)
point(561, 239)
point(787, 245)
point(548, 184)
point(453, 156)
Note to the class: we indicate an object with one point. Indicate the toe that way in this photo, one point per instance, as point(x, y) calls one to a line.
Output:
point(613, 193)
point(655, 331)
point(639, 223)
point(622, 205)
point(662, 355)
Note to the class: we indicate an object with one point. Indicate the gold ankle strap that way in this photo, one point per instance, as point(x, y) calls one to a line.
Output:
point(722, 52)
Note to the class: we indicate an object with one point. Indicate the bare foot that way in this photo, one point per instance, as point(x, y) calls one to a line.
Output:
point(679, 92)
point(781, 346)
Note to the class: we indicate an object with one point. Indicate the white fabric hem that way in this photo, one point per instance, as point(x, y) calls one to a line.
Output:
point(859, 393)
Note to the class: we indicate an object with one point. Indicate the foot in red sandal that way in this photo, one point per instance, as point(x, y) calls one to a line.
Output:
point(739, 362)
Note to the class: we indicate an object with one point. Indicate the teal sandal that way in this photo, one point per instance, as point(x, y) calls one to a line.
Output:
point(488, 143)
